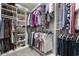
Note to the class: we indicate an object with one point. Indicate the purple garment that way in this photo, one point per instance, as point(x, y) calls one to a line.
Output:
point(33, 20)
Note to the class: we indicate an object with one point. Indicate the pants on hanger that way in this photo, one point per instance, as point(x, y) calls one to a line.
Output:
point(74, 48)
point(60, 47)
point(65, 47)
point(77, 49)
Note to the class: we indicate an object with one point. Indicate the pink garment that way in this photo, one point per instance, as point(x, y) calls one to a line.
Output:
point(73, 18)
point(33, 19)
point(41, 45)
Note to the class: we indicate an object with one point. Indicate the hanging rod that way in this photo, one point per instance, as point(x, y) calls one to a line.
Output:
point(36, 7)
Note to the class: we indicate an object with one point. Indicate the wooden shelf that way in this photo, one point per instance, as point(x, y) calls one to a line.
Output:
point(8, 10)
point(21, 15)
point(8, 5)
point(20, 41)
point(20, 26)
point(21, 21)
point(20, 34)
point(7, 16)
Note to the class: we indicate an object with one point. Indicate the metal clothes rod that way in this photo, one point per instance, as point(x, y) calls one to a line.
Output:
point(36, 7)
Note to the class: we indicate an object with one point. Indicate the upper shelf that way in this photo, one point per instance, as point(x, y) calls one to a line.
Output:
point(7, 5)
point(8, 10)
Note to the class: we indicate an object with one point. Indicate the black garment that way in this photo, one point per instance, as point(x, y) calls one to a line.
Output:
point(60, 47)
point(77, 48)
point(7, 44)
point(69, 48)
point(1, 46)
point(29, 38)
point(74, 47)
point(65, 46)
point(33, 43)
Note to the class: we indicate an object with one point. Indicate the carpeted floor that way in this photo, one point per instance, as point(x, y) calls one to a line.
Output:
point(24, 52)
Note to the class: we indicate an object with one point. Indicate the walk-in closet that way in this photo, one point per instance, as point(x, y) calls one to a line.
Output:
point(27, 26)
point(39, 29)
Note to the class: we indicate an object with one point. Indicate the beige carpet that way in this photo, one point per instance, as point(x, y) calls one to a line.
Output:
point(24, 52)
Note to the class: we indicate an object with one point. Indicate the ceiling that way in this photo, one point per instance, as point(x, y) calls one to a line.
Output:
point(30, 6)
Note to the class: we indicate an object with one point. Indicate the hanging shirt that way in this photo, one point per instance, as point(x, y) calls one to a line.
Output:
point(13, 25)
point(39, 20)
point(73, 18)
point(67, 17)
point(28, 20)
point(50, 7)
point(48, 18)
point(38, 17)
point(29, 38)
point(60, 16)
point(32, 37)
point(33, 20)
point(1, 29)
point(63, 20)
point(46, 7)
point(0, 23)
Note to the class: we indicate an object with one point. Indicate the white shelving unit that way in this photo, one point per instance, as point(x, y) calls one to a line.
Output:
point(21, 18)
point(17, 19)
point(9, 8)
point(20, 27)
